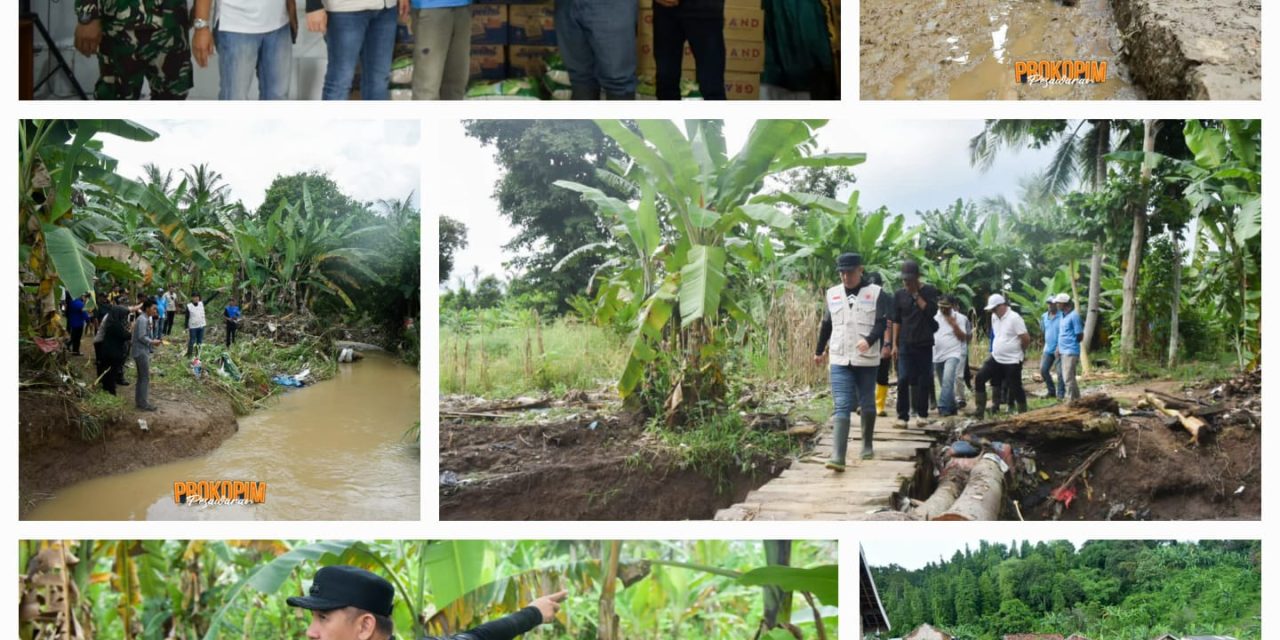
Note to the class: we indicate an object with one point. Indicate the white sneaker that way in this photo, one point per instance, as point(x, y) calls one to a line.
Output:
point(899, 424)
point(920, 423)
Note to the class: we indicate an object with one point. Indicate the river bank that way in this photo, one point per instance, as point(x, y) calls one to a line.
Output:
point(86, 455)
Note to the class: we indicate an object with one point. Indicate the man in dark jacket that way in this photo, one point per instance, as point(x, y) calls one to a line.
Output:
point(349, 603)
point(701, 24)
point(914, 306)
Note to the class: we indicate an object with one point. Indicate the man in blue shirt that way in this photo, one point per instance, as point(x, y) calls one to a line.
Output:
point(162, 310)
point(1070, 335)
point(1049, 326)
point(76, 319)
point(232, 315)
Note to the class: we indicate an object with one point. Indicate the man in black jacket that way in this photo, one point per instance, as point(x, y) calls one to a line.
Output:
point(349, 603)
point(914, 306)
point(701, 23)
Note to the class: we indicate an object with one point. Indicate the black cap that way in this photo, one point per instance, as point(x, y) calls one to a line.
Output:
point(910, 269)
point(848, 262)
point(341, 586)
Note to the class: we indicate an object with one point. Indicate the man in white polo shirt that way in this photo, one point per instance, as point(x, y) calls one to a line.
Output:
point(1008, 349)
point(949, 344)
point(254, 38)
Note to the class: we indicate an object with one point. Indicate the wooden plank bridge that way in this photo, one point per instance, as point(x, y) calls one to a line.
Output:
point(809, 491)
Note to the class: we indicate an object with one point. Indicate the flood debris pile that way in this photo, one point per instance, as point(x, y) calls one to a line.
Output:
point(1190, 455)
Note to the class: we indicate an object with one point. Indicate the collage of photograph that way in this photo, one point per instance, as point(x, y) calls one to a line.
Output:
point(687, 370)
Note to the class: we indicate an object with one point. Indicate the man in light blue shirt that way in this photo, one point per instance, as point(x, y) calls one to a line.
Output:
point(1049, 327)
point(1070, 335)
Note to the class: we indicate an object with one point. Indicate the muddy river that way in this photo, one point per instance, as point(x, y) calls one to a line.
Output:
point(966, 49)
point(330, 451)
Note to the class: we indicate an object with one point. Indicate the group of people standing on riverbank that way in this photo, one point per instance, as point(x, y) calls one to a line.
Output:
point(123, 330)
point(927, 336)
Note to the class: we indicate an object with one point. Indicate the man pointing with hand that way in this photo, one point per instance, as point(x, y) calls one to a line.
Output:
point(349, 603)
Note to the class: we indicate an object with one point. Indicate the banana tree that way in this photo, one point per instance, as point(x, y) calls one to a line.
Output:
point(1223, 186)
point(694, 222)
point(832, 227)
point(55, 159)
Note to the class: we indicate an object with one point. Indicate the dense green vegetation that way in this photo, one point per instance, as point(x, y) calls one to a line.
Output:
point(309, 265)
point(223, 589)
point(705, 266)
point(1107, 590)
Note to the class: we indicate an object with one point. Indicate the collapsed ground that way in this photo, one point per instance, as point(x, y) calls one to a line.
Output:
point(1158, 49)
point(581, 457)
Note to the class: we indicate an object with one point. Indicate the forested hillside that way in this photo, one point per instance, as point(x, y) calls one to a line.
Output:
point(1106, 590)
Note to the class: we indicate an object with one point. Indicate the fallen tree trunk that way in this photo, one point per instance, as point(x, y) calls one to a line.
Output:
point(1089, 418)
point(982, 496)
point(1191, 423)
point(950, 486)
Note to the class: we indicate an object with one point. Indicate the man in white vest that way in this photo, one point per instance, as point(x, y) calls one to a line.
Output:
point(851, 336)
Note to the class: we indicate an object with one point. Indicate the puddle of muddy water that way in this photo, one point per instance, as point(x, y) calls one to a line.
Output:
point(331, 451)
point(965, 50)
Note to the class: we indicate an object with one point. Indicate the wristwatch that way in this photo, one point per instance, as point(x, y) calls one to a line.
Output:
point(200, 23)
point(86, 18)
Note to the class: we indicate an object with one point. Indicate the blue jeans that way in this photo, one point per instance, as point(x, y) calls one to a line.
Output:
point(1049, 362)
point(194, 337)
point(243, 56)
point(597, 40)
point(366, 38)
point(852, 386)
point(946, 373)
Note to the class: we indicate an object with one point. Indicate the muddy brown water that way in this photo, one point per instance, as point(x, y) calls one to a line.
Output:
point(965, 49)
point(330, 451)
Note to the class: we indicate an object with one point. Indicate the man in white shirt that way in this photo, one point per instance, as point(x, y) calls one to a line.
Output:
point(253, 38)
point(949, 344)
point(1008, 349)
point(195, 323)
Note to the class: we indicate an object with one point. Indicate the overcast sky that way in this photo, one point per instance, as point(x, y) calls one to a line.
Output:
point(369, 159)
point(914, 554)
point(912, 165)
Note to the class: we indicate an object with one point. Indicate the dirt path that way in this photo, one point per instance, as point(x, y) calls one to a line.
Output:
point(965, 49)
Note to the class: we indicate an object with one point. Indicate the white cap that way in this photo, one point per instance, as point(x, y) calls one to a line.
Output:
point(995, 300)
point(1051, 298)
point(1062, 297)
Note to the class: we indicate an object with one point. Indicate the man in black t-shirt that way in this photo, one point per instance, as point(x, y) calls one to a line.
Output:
point(349, 603)
point(914, 306)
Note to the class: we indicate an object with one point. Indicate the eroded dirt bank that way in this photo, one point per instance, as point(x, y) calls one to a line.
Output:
point(1194, 49)
point(52, 453)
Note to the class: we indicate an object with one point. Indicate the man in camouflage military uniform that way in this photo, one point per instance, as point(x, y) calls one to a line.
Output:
point(137, 40)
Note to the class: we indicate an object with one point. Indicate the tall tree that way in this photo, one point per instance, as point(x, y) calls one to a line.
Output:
point(1080, 154)
point(550, 223)
point(1128, 322)
point(453, 238)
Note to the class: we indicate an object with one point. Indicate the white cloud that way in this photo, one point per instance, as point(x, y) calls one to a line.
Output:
point(369, 159)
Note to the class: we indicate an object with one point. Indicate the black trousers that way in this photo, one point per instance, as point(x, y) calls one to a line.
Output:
point(703, 29)
point(168, 322)
point(76, 334)
point(231, 333)
point(915, 372)
point(1006, 378)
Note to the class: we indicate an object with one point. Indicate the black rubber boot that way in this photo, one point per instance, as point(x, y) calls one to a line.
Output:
point(840, 443)
point(868, 433)
point(619, 96)
point(579, 92)
point(979, 403)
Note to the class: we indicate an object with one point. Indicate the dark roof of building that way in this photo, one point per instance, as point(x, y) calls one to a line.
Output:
point(873, 616)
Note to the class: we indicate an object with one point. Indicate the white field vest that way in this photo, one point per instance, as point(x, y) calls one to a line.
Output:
point(849, 323)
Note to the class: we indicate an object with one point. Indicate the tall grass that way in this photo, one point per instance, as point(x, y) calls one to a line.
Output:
point(510, 360)
point(784, 353)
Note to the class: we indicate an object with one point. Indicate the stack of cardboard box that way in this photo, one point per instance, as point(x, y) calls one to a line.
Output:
point(744, 47)
point(511, 38)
